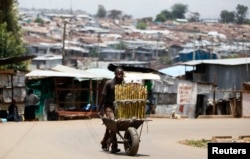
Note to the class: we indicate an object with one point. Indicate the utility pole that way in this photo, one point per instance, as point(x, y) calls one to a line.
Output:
point(245, 50)
point(98, 49)
point(63, 47)
point(120, 47)
point(194, 42)
point(214, 95)
point(157, 43)
point(64, 56)
point(133, 55)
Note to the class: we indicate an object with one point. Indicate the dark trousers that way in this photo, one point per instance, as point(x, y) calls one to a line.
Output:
point(29, 113)
point(110, 138)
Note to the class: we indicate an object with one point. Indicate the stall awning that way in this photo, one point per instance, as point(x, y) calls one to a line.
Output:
point(65, 71)
point(11, 60)
point(36, 74)
point(142, 76)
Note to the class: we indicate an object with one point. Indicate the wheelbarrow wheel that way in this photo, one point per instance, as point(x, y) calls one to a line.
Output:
point(131, 145)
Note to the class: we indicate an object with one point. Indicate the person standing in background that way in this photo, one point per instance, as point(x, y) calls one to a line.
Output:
point(30, 104)
point(13, 112)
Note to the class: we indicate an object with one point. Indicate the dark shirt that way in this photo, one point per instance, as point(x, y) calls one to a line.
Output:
point(108, 92)
point(13, 109)
point(13, 113)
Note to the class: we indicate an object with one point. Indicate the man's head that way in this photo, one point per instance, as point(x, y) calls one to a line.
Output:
point(30, 91)
point(119, 73)
point(13, 101)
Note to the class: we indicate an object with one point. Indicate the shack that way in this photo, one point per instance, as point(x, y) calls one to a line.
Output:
point(68, 93)
point(12, 84)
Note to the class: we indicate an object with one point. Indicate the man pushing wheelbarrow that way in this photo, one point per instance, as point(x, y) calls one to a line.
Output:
point(123, 108)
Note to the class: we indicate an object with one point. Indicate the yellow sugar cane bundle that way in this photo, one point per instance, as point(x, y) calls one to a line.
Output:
point(119, 109)
point(123, 110)
point(139, 109)
point(116, 94)
point(132, 99)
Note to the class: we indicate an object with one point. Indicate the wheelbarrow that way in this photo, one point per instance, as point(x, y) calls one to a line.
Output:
point(131, 138)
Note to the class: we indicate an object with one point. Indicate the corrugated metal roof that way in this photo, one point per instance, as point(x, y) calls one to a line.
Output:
point(12, 60)
point(176, 70)
point(233, 61)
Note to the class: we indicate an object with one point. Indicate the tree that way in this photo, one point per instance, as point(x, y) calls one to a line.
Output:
point(194, 17)
point(124, 17)
point(11, 43)
point(115, 14)
point(147, 19)
point(241, 13)
point(9, 15)
point(141, 25)
point(39, 20)
point(179, 10)
point(160, 18)
point(120, 46)
point(164, 16)
point(168, 14)
point(227, 17)
point(101, 13)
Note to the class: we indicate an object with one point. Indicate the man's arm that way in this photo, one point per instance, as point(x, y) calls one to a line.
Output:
point(103, 99)
point(101, 104)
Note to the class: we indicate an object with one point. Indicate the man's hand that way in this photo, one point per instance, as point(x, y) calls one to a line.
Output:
point(100, 114)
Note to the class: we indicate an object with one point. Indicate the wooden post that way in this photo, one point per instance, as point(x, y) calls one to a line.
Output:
point(214, 106)
point(90, 95)
point(213, 99)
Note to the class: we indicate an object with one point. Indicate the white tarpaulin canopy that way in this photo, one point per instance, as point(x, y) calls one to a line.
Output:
point(36, 74)
point(142, 76)
point(82, 73)
point(65, 71)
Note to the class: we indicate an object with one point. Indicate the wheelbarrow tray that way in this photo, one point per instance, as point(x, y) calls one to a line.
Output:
point(122, 124)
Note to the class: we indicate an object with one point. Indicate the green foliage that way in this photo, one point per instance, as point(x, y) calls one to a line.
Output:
point(9, 15)
point(178, 11)
point(241, 13)
point(39, 20)
point(227, 17)
point(9, 45)
point(160, 18)
point(93, 52)
point(115, 14)
point(101, 13)
point(166, 60)
point(141, 25)
point(147, 19)
point(239, 16)
point(196, 143)
point(124, 17)
point(194, 17)
point(120, 46)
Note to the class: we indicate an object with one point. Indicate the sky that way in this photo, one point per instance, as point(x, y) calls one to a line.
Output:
point(139, 8)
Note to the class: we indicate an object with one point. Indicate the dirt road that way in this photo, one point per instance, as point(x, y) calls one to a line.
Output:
point(78, 139)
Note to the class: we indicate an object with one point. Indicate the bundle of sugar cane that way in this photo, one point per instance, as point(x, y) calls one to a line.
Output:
point(130, 100)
